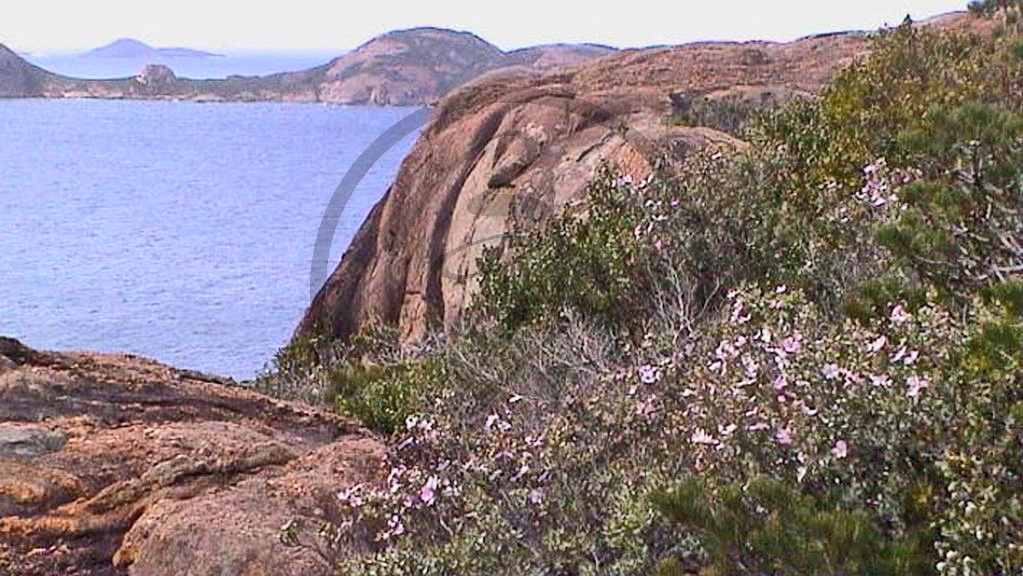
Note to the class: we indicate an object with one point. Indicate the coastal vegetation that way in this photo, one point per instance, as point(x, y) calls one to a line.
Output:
point(801, 357)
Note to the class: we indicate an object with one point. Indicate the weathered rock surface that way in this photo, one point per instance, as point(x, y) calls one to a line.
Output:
point(156, 76)
point(516, 145)
point(401, 68)
point(119, 465)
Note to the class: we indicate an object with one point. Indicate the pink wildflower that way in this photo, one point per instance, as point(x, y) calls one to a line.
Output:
point(792, 344)
point(916, 385)
point(491, 420)
point(758, 427)
point(783, 436)
point(910, 358)
point(899, 315)
point(648, 374)
point(878, 344)
point(725, 351)
point(840, 450)
point(536, 496)
point(702, 437)
point(780, 382)
point(396, 526)
point(830, 371)
point(880, 380)
point(428, 493)
point(752, 368)
point(738, 317)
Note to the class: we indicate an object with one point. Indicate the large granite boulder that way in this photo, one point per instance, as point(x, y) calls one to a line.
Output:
point(516, 140)
point(119, 465)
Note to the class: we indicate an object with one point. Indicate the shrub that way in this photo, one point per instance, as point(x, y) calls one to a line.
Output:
point(766, 527)
point(370, 377)
point(823, 328)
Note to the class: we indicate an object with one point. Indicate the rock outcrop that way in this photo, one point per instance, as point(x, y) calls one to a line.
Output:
point(516, 144)
point(514, 140)
point(401, 68)
point(119, 465)
point(156, 77)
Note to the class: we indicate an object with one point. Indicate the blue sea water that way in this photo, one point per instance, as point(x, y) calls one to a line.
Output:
point(179, 231)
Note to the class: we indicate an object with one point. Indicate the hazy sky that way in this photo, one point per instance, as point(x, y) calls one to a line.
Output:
point(319, 24)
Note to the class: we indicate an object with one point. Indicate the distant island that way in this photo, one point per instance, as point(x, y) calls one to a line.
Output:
point(131, 48)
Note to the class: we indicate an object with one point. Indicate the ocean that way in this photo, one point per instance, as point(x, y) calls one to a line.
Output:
point(178, 231)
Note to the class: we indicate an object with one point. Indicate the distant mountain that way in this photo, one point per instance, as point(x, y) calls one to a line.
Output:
point(130, 48)
point(400, 68)
point(420, 65)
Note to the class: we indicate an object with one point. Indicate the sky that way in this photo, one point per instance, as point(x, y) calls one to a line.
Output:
point(323, 25)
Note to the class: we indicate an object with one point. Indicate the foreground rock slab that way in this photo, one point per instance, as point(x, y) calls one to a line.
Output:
point(119, 465)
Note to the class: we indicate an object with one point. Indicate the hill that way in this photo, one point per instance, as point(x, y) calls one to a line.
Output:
point(401, 68)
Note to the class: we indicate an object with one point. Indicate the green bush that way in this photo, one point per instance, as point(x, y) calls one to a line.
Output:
point(824, 328)
point(766, 527)
point(383, 397)
point(370, 377)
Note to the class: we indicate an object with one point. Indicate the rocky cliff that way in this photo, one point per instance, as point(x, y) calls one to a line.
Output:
point(402, 68)
point(516, 144)
point(517, 140)
point(119, 465)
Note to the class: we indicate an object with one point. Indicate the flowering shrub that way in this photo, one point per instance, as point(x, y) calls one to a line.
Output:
point(824, 329)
